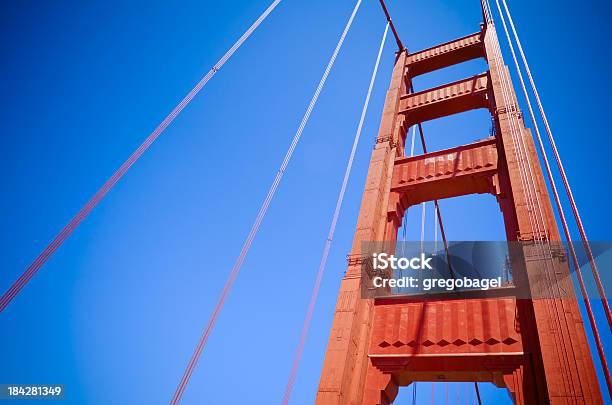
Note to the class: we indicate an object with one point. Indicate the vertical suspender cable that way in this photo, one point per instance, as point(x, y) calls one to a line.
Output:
point(108, 185)
point(433, 388)
point(258, 220)
point(412, 142)
point(566, 231)
point(437, 206)
point(446, 400)
point(405, 220)
point(332, 229)
point(458, 393)
point(435, 248)
point(566, 184)
point(404, 231)
point(477, 393)
point(423, 214)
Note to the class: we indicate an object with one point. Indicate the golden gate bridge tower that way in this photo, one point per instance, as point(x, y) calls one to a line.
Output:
point(536, 348)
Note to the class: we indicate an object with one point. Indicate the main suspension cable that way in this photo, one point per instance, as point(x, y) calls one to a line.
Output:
point(258, 220)
point(566, 184)
point(565, 227)
point(108, 185)
point(332, 230)
point(390, 22)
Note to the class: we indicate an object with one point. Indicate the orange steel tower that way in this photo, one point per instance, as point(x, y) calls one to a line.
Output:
point(534, 346)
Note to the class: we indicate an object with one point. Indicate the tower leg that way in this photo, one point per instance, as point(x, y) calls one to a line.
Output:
point(346, 361)
point(521, 385)
point(380, 389)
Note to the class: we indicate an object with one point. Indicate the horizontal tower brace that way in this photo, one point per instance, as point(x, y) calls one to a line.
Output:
point(446, 54)
point(466, 169)
point(452, 98)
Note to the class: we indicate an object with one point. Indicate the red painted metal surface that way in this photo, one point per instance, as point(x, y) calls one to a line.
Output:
point(463, 170)
point(444, 55)
point(453, 172)
point(417, 328)
point(564, 224)
point(536, 348)
point(452, 98)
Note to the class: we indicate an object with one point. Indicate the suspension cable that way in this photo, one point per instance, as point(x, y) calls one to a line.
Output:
point(486, 11)
point(457, 393)
point(477, 393)
point(433, 389)
point(423, 214)
point(108, 185)
point(332, 229)
point(258, 220)
point(566, 231)
point(436, 205)
point(412, 142)
point(397, 38)
point(435, 249)
point(566, 184)
point(405, 219)
point(446, 392)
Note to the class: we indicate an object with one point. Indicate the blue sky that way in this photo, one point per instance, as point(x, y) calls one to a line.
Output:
point(115, 314)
